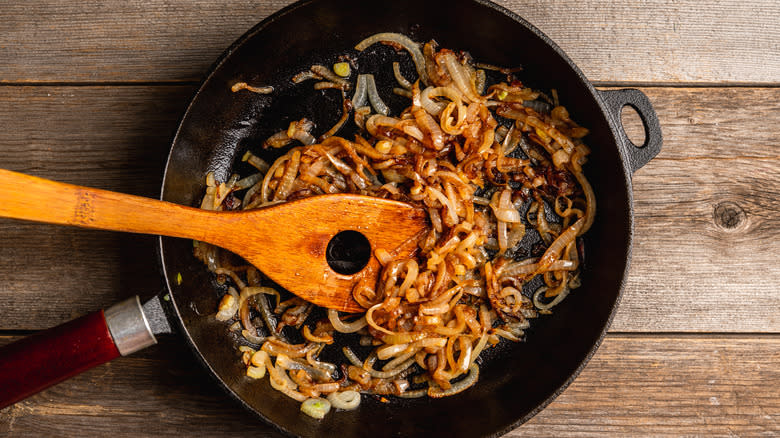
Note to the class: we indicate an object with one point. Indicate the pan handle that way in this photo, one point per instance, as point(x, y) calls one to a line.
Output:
point(46, 358)
point(636, 155)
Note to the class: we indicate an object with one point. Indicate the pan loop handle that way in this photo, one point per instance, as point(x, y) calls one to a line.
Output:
point(636, 155)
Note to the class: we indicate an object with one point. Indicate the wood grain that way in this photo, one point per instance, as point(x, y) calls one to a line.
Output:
point(693, 269)
point(636, 385)
point(706, 236)
point(723, 123)
point(112, 138)
point(105, 137)
point(655, 41)
point(670, 386)
point(718, 280)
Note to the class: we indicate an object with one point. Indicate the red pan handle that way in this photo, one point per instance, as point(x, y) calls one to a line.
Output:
point(35, 363)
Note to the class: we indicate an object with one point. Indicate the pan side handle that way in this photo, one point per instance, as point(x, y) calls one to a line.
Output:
point(46, 358)
point(636, 155)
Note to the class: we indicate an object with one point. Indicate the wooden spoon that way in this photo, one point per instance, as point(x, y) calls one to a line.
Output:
point(287, 242)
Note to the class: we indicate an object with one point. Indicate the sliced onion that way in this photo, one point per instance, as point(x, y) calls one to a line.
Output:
point(305, 76)
point(404, 338)
point(243, 309)
point(414, 132)
point(430, 105)
point(278, 140)
point(266, 314)
point(402, 92)
point(360, 96)
point(504, 210)
point(309, 336)
point(328, 74)
point(426, 122)
point(508, 215)
point(480, 81)
point(547, 306)
point(391, 372)
point(327, 367)
point(465, 383)
point(373, 96)
point(346, 108)
point(288, 178)
point(404, 41)
point(374, 325)
point(460, 77)
point(346, 400)
point(590, 199)
point(300, 131)
point(255, 372)
point(517, 269)
point(402, 81)
point(352, 357)
point(402, 361)
point(417, 393)
point(253, 338)
point(515, 234)
point(277, 347)
point(251, 180)
point(562, 241)
point(284, 387)
point(315, 407)
point(244, 86)
point(287, 363)
point(390, 350)
point(340, 326)
point(451, 212)
point(228, 305)
point(501, 236)
point(260, 358)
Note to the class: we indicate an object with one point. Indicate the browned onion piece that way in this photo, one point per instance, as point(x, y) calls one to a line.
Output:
point(328, 74)
point(458, 387)
point(244, 86)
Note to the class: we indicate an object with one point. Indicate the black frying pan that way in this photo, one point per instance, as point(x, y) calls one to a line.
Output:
point(220, 125)
point(516, 381)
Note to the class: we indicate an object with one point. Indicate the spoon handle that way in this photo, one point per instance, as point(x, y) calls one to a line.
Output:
point(41, 200)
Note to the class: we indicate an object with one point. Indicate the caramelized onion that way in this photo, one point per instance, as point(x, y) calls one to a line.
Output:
point(484, 160)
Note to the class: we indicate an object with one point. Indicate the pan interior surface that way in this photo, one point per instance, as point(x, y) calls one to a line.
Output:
point(516, 380)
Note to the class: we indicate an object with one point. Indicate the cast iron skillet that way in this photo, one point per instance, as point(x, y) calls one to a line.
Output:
point(219, 126)
point(516, 381)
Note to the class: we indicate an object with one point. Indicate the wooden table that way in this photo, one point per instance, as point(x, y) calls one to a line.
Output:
point(90, 93)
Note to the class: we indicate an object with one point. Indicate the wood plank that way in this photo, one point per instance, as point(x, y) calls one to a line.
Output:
point(723, 123)
point(659, 41)
point(670, 386)
point(105, 137)
point(705, 211)
point(705, 251)
point(124, 41)
point(636, 385)
point(114, 138)
point(117, 138)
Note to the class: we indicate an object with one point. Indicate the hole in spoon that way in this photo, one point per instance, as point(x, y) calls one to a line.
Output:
point(348, 252)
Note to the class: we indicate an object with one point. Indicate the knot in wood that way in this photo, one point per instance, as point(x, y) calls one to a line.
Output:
point(728, 215)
